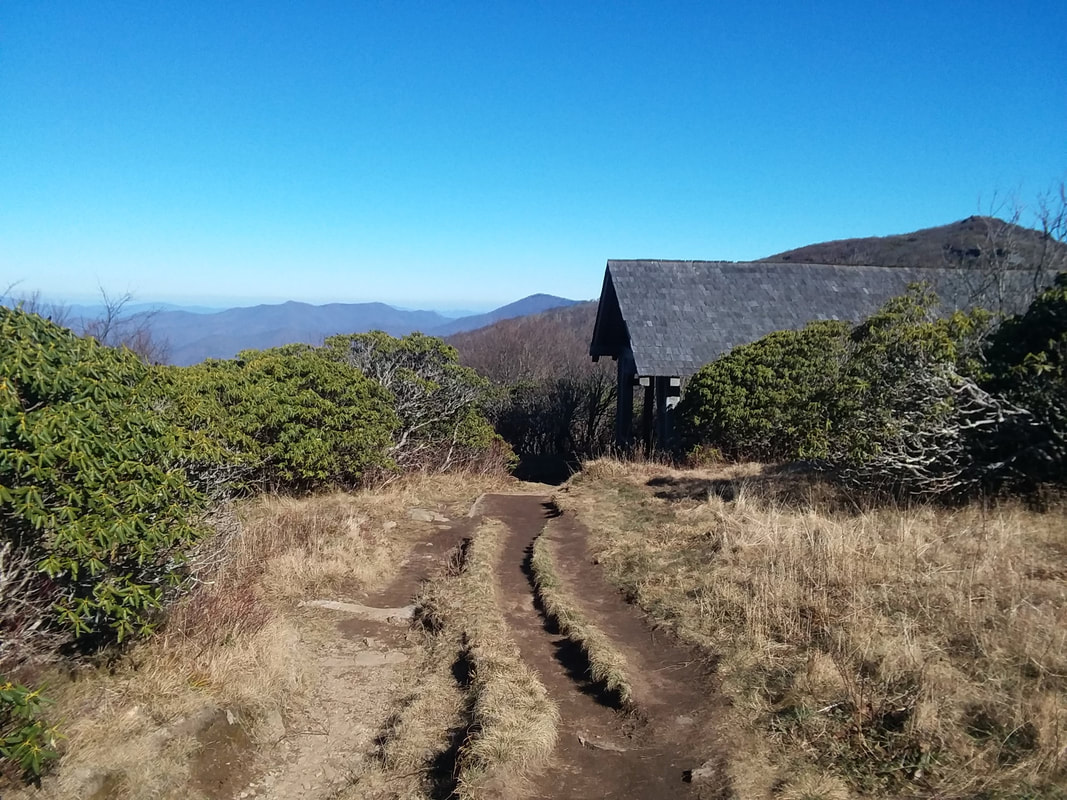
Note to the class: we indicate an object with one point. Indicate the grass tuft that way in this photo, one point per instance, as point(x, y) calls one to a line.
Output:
point(513, 720)
point(607, 666)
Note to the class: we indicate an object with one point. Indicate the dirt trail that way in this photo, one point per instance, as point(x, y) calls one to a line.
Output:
point(361, 659)
point(603, 752)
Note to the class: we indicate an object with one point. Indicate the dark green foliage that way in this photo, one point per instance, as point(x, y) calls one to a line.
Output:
point(91, 477)
point(27, 742)
point(1027, 363)
point(293, 417)
point(904, 361)
point(770, 400)
point(903, 403)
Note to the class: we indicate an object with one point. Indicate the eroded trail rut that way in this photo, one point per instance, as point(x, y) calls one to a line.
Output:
point(602, 751)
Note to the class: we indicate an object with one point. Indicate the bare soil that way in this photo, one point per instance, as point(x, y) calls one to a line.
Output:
point(361, 656)
point(602, 751)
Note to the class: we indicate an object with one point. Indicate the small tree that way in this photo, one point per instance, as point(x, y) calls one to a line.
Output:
point(438, 401)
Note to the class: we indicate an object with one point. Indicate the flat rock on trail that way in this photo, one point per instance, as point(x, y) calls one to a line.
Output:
point(601, 751)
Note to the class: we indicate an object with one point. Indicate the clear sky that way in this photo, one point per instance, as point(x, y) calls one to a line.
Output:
point(450, 154)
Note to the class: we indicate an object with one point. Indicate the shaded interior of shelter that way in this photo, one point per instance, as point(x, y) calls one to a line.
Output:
point(551, 468)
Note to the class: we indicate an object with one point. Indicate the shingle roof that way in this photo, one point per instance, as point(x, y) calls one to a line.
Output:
point(680, 315)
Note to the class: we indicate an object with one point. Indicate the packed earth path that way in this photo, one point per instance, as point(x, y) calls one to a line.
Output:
point(654, 747)
point(644, 752)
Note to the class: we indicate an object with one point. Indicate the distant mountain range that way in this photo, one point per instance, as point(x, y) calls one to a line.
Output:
point(190, 336)
point(193, 337)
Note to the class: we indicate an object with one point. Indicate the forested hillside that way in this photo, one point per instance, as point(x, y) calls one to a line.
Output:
point(975, 242)
point(554, 405)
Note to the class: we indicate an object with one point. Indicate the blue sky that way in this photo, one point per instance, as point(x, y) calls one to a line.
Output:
point(448, 154)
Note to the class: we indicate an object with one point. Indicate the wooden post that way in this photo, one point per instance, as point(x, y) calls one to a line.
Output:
point(624, 401)
point(672, 391)
point(646, 415)
point(662, 427)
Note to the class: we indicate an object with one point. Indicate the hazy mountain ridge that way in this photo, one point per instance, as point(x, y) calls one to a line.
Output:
point(193, 337)
point(534, 304)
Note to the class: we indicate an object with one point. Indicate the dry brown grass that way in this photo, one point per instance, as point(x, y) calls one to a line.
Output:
point(479, 719)
point(914, 652)
point(233, 642)
point(513, 720)
point(607, 666)
point(415, 753)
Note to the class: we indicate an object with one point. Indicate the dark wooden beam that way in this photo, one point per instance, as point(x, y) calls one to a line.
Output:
point(624, 404)
point(646, 415)
point(662, 427)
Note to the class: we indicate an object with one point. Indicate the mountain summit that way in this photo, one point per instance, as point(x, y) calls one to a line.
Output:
point(966, 243)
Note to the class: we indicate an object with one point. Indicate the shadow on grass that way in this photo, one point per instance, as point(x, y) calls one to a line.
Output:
point(550, 469)
point(792, 485)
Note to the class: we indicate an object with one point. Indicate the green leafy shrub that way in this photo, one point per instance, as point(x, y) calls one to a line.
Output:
point(913, 415)
point(1027, 363)
point(27, 742)
point(911, 401)
point(294, 417)
point(91, 479)
point(901, 342)
point(773, 399)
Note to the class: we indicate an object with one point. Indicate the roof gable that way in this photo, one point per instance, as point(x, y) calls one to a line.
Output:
point(680, 315)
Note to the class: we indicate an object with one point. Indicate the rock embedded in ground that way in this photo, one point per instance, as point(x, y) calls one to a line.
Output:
point(705, 772)
point(426, 515)
point(370, 659)
point(599, 744)
point(398, 614)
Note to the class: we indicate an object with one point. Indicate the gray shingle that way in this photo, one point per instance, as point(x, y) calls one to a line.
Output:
point(679, 315)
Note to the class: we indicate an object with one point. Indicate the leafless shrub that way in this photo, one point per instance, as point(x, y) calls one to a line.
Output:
point(1007, 246)
point(934, 447)
point(26, 599)
point(114, 326)
point(555, 400)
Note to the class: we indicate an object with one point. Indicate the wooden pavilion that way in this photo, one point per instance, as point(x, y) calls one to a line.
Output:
point(663, 320)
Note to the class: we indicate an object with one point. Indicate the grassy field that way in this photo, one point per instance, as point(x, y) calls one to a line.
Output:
point(866, 652)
